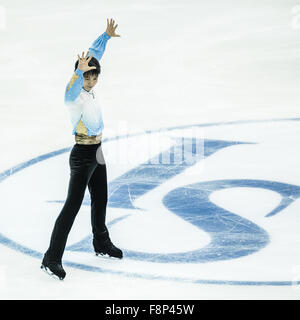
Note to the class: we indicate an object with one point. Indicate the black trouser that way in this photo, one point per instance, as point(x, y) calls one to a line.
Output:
point(87, 168)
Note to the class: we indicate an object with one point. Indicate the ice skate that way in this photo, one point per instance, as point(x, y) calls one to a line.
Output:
point(103, 245)
point(53, 268)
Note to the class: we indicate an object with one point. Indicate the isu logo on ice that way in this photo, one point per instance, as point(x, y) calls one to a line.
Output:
point(211, 203)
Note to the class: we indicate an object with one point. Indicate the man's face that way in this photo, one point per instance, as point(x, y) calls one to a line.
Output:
point(89, 81)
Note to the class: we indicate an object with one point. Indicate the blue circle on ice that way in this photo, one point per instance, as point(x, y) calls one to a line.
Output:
point(229, 238)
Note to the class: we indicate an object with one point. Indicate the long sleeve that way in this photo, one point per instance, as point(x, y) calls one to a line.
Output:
point(74, 86)
point(98, 46)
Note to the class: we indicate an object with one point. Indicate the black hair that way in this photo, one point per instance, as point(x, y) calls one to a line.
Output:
point(92, 63)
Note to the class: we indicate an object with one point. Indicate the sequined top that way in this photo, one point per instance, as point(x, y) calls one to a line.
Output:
point(81, 136)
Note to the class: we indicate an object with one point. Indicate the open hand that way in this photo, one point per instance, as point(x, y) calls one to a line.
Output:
point(83, 62)
point(110, 29)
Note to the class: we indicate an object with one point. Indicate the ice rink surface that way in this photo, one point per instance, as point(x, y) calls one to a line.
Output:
point(217, 77)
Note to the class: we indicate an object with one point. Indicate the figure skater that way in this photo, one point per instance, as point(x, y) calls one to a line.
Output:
point(87, 165)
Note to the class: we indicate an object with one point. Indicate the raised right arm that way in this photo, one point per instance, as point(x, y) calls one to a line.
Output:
point(74, 86)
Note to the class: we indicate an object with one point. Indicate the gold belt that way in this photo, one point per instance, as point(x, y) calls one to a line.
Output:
point(84, 139)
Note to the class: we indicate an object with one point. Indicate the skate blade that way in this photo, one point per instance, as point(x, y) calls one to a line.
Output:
point(99, 253)
point(106, 255)
point(50, 273)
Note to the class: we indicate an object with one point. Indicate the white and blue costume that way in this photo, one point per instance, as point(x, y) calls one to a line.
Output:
point(84, 108)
